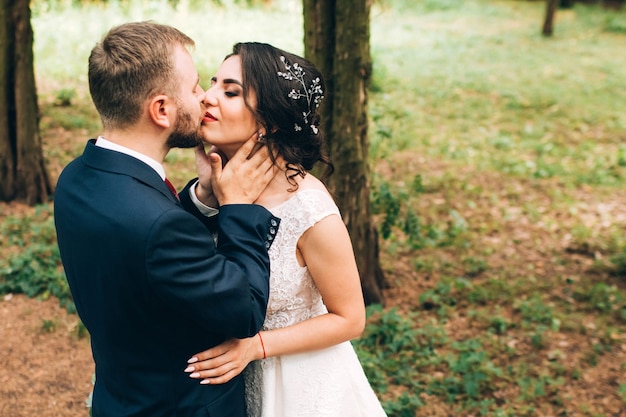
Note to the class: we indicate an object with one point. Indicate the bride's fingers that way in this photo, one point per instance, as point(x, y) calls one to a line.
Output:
point(207, 365)
point(266, 167)
point(245, 151)
point(220, 379)
point(257, 146)
point(212, 373)
point(194, 369)
point(220, 374)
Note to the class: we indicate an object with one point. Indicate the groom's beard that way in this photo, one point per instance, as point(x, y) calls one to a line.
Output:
point(186, 133)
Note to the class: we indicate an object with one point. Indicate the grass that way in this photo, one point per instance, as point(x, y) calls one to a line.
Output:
point(490, 91)
point(498, 175)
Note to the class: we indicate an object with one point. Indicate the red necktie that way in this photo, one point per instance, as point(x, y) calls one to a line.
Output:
point(172, 189)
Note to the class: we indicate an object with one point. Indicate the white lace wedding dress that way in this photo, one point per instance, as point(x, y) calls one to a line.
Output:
point(323, 383)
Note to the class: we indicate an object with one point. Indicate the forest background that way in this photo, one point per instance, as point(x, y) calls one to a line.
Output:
point(498, 171)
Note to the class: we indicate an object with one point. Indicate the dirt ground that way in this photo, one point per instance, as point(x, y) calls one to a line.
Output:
point(45, 368)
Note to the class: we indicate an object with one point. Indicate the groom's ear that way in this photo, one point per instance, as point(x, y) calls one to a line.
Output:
point(160, 110)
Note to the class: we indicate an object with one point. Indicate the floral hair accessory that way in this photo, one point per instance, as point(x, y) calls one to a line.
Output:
point(313, 93)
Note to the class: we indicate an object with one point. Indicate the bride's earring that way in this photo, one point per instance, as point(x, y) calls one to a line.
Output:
point(261, 137)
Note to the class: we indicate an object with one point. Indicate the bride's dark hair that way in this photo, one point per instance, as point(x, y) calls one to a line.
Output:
point(288, 89)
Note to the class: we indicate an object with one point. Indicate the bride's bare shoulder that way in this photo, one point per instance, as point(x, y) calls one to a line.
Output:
point(310, 182)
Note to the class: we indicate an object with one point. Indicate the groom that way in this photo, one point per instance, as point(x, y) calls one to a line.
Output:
point(147, 279)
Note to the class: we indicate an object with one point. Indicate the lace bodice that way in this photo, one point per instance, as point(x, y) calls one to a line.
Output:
point(293, 294)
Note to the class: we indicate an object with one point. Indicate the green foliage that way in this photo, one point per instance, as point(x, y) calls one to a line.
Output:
point(499, 325)
point(405, 349)
point(391, 351)
point(622, 392)
point(48, 326)
point(396, 204)
point(65, 96)
point(404, 406)
point(533, 388)
point(34, 267)
point(385, 202)
point(474, 266)
point(70, 112)
point(535, 311)
point(473, 372)
point(616, 23)
point(619, 261)
point(605, 298)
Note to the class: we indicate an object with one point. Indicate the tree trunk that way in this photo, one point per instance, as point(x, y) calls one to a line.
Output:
point(613, 4)
point(548, 23)
point(336, 39)
point(22, 166)
point(7, 161)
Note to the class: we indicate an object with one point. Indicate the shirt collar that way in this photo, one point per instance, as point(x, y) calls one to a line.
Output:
point(107, 144)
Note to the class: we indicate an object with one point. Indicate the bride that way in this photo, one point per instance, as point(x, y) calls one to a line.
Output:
point(302, 363)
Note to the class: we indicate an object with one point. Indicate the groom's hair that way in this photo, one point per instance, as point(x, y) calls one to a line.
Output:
point(132, 63)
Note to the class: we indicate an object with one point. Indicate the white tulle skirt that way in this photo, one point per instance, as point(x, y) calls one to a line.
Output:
point(323, 383)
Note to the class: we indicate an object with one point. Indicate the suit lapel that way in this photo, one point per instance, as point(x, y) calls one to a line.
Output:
point(120, 163)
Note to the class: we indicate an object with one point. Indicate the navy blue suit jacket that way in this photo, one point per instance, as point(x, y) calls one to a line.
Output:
point(151, 286)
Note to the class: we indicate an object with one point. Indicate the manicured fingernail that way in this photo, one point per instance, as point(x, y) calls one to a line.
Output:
point(189, 369)
point(194, 375)
point(192, 360)
point(205, 382)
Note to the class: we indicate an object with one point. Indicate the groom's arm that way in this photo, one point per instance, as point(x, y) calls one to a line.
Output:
point(221, 290)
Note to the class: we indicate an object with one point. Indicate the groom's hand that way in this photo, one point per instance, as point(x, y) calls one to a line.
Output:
point(222, 363)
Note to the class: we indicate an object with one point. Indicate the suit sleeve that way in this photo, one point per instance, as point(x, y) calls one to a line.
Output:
point(209, 222)
point(220, 290)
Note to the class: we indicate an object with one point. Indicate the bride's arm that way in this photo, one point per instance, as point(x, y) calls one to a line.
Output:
point(328, 254)
point(327, 251)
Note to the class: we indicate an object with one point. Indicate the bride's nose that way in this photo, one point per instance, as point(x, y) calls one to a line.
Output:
point(209, 98)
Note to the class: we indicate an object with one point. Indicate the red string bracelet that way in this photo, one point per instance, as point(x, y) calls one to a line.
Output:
point(262, 345)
